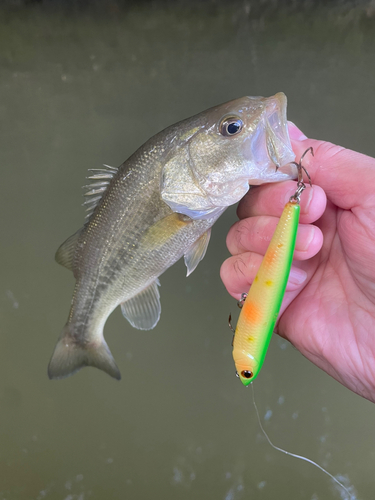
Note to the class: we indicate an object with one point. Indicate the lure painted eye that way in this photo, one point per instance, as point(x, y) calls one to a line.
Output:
point(231, 126)
point(246, 374)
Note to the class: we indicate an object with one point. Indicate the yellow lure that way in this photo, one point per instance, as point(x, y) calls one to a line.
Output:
point(262, 305)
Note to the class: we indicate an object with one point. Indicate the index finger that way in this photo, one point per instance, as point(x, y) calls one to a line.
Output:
point(270, 199)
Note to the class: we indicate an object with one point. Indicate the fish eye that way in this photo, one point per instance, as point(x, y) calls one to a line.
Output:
point(246, 374)
point(231, 126)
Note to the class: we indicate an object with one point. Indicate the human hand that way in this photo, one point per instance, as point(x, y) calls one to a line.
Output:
point(328, 312)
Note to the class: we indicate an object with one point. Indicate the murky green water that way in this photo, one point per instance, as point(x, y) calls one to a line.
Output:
point(84, 88)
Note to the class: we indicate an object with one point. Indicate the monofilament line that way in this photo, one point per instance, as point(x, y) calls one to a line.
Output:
point(351, 497)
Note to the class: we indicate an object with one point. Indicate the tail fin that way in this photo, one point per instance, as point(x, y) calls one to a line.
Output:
point(69, 357)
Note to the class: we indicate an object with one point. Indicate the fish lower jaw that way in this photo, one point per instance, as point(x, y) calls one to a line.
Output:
point(284, 173)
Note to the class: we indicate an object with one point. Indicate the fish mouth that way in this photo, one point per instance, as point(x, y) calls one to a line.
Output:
point(270, 147)
point(278, 143)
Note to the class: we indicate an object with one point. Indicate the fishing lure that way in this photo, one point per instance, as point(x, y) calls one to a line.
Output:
point(261, 306)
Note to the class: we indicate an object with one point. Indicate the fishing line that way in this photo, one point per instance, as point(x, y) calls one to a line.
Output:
point(351, 497)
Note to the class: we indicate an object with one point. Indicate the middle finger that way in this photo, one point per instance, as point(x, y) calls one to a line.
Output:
point(254, 235)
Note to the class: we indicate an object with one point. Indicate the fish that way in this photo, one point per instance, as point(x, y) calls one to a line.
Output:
point(156, 208)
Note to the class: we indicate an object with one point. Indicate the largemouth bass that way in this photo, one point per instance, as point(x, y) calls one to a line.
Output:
point(157, 207)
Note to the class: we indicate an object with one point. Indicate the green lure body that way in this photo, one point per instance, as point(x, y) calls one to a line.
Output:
point(262, 305)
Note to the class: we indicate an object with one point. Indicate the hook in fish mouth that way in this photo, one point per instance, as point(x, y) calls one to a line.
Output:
point(279, 148)
point(272, 150)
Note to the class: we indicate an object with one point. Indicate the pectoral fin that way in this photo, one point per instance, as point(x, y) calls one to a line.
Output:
point(143, 310)
point(196, 252)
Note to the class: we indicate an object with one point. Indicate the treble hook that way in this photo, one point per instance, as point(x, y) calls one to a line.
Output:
point(240, 304)
point(230, 323)
point(231, 327)
point(301, 186)
point(242, 300)
point(300, 167)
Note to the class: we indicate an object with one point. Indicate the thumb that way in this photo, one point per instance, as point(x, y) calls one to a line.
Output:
point(347, 177)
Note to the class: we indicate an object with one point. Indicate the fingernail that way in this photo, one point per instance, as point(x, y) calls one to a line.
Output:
point(306, 198)
point(305, 234)
point(297, 276)
point(295, 133)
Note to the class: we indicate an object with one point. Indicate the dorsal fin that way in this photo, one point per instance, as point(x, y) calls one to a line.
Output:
point(100, 178)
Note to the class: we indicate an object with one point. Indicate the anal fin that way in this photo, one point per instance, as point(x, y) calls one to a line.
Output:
point(143, 310)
